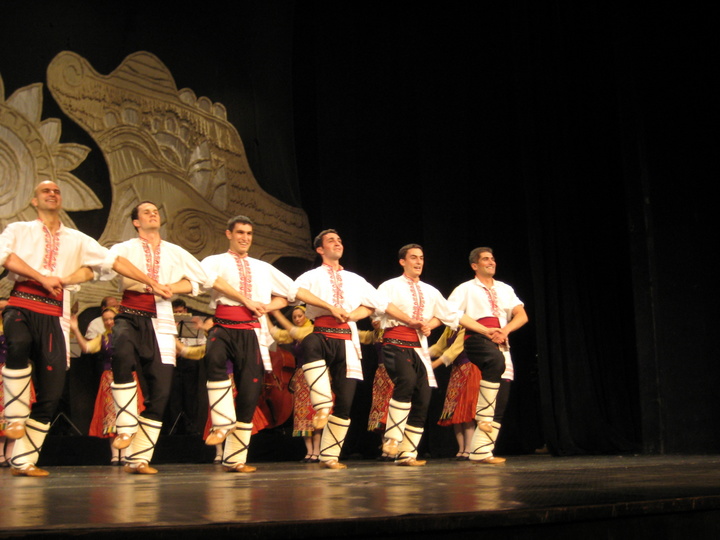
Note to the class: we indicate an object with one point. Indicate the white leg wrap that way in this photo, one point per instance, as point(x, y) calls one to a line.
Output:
point(237, 444)
point(27, 449)
point(483, 443)
point(485, 408)
point(143, 445)
point(409, 445)
point(17, 394)
point(125, 397)
point(333, 438)
point(222, 404)
point(318, 379)
point(398, 413)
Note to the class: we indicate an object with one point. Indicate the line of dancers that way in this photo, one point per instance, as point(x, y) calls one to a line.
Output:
point(47, 261)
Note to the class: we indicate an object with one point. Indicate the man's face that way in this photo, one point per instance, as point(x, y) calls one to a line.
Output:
point(332, 247)
point(47, 196)
point(180, 309)
point(240, 238)
point(485, 265)
point(413, 263)
point(148, 218)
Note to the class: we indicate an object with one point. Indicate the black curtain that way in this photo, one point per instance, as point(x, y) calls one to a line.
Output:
point(573, 137)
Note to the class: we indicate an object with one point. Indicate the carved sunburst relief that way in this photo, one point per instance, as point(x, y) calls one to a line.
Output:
point(31, 152)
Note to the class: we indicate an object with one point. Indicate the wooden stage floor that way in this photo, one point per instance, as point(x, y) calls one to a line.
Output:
point(529, 497)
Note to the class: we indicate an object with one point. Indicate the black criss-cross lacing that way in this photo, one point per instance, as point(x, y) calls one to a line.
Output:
point(230, 421)
point(124, 408)
point(35, 448)
point(338, 442)
point(16, 398)
point(406, 414)
point(135, 457)
point(324, 369)
point(243, 446)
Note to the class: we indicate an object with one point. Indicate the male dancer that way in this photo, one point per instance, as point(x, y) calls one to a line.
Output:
point(144, 334)
point(334, 346)
point(405, 353)
point(37, 318)
point(495, 305)
point(243, 290)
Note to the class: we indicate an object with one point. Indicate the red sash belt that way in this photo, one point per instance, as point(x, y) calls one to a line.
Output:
point(238, 317)
point(487, 322)
point(327, 325)
point(401, 336)
point(137, 303)
point(32, 296)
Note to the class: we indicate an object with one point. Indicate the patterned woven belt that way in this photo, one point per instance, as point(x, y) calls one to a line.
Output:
point(400, 342)
point(36, 298)
point(232, 323)
point(138, 312)
point(329, 330)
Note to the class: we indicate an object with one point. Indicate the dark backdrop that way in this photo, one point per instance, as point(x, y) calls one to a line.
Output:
point(573, 137)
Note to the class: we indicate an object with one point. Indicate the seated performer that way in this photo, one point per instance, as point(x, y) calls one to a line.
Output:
point(303, 413)
point(462, 390)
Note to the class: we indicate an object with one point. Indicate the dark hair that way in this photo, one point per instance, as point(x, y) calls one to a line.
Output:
point(104, 302)
point(136, 211)
point(178, 302)
point(475, 253)
point(403, 250)
point(239, 219)
point(319, 238)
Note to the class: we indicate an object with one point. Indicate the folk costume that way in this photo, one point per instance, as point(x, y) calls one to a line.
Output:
point(243, 338)
point(37, 327)
point(144, 334)
point(491, 307)
point(407, 360)
point(331, 354)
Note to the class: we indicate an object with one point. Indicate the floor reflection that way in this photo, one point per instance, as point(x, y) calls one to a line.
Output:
point(83, 497)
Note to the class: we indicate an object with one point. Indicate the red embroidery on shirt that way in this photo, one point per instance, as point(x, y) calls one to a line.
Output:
point(418, 298)
point(494, 304)
point(52, 247)
point(244, 272)
point(152, 259)
point(337, 285)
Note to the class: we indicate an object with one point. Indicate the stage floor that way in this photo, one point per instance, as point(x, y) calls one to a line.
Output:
point(369, 499)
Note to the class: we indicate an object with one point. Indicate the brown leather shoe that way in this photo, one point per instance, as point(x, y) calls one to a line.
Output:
point(320, 419)
point(240, 467)
point(390, 447)
point(492, 460)
point(30, 470)
point(122, 440)
point(332, 464)
point(15, 430)
point(411, 462)
point(218, 436)
point(142, 468)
